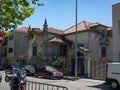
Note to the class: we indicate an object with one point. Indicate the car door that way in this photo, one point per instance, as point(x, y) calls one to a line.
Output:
point(43, 71)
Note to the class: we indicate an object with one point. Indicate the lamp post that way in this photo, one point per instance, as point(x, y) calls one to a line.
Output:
point(76, 40)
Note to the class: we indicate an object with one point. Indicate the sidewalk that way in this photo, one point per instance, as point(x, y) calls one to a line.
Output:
point(71, 78)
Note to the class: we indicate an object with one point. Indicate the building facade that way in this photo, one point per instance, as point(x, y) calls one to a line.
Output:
point(17, 47)
point(116, 31)
point(94, 47)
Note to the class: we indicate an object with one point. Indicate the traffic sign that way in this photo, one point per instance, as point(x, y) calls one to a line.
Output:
point(1, 38)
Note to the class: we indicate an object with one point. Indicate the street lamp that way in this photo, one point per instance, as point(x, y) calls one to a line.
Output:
point(76, 40)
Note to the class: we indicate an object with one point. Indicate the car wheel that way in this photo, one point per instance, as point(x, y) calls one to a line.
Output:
point(48, 76)
point(114, 84)
point(36, 75)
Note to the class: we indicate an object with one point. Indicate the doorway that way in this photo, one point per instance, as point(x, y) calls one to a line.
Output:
point(80, 65)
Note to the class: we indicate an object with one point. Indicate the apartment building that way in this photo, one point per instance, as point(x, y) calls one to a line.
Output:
point(17, 46)
point(116, 31)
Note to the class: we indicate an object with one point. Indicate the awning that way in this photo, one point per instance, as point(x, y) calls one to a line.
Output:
point(85, 50)
point(56, 40)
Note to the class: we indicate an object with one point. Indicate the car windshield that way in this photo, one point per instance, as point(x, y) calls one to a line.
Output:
point(50, 68)
point(29, 67)
point(13, 66)
point(21, 68)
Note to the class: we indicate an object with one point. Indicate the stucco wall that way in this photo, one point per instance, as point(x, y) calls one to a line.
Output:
point(21, 44)
point(35, 40)
point(10, 45)
point(44, 50)
point(116, 35)
point(81, 38)
point(91, 41)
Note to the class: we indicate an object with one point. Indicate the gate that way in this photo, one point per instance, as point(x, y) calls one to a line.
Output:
point(30, 85)
point(98, 68)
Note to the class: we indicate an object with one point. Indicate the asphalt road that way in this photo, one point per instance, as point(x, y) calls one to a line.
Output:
point(80, 84)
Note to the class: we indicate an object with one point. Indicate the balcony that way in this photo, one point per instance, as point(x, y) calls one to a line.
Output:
point(104, 41)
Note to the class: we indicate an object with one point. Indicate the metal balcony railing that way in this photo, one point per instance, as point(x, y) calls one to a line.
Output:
point(104, 41)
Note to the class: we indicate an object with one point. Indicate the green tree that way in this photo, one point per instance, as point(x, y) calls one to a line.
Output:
point(13, 12)
point(6, 33)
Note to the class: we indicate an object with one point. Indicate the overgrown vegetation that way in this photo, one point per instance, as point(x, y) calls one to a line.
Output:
point(59, 62)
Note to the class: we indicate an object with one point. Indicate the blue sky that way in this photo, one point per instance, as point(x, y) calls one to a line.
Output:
point(60, 14)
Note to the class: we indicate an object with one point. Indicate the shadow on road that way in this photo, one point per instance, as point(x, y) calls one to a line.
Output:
point(101, 87)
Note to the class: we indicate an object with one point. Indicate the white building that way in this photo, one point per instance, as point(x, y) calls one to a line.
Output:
point(116, 31)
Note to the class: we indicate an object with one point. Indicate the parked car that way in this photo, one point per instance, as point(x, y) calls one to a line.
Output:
point(0, 77)
point(30, 70)
point(113, 75)
point(48, 72)
point(0, 68)
point(11, 68)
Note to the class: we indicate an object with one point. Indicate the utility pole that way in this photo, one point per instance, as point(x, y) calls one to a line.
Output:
point(76, 41)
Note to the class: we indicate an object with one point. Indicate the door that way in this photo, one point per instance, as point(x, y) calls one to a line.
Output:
point(80, 65)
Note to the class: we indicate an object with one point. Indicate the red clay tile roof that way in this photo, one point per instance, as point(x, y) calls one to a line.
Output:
point(55, 31)
point(98, 24)
point(83, 26)
point(31, 30)
point(37, 30)
point(22, 30)
point(80, 27)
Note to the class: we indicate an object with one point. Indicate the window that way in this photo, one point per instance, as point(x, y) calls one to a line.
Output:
point(11, 37)
point(34, 50)
point(103, 51)
point(10, 50)
point(119, 27)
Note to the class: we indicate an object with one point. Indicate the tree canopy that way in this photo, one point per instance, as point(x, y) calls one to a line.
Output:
point(13, 12)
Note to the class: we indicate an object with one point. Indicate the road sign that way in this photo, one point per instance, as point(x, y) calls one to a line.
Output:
point(1, 38)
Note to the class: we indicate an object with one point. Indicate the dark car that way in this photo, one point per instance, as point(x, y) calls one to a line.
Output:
point(11, 68)
point(48, 72)
point(30, 70)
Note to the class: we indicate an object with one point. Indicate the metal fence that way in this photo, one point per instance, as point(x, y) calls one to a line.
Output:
point(30, 85)
point(98, 69)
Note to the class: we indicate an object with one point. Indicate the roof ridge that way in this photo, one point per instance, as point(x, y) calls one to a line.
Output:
point(54, 28)
point(72, 26)
point(86, 24)
point(78, 24)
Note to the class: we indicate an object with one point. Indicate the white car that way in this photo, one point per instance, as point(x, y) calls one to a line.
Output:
point(0, 77)
point(113, 75)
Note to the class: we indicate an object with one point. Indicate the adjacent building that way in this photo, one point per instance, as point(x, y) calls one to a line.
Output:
point(116, 31)
point(17, 47)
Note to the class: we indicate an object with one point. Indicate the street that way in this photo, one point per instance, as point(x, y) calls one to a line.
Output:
point(80, 84)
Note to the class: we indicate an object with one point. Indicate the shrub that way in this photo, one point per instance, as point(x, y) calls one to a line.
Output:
point(59, 62)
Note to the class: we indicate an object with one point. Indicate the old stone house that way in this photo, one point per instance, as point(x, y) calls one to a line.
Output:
point(94, 47)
